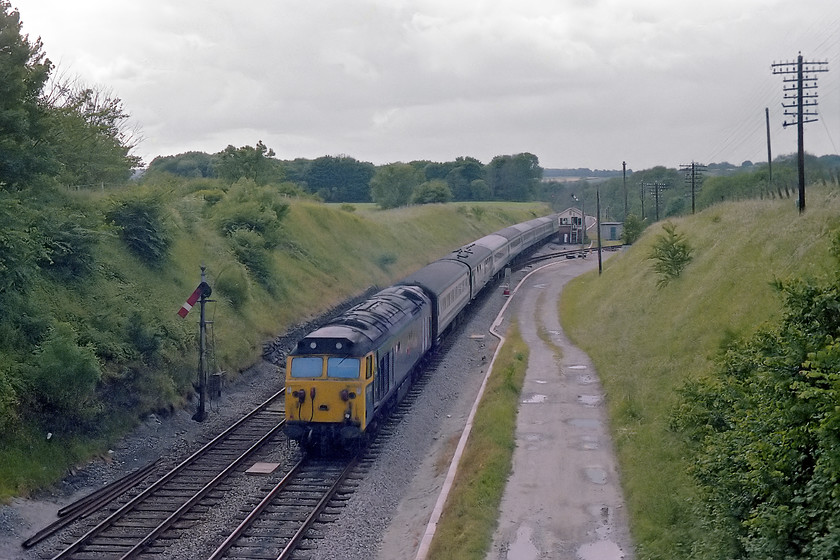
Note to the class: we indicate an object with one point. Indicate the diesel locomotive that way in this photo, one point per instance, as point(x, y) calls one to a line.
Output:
point(346, 375)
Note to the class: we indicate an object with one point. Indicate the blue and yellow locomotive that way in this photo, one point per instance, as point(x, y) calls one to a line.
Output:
point(343, 377)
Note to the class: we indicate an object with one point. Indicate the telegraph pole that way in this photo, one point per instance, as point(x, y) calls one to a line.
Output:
point(655, 188)
point(624, 176)
point(769, 155)
point(693, 177)
point(800, 105)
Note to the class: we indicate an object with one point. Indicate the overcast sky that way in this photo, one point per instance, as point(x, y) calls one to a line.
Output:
point(579, 83)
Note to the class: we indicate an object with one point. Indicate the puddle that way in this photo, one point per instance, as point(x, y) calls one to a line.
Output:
point(589, 443)
point(540, 382)
point(522, 548)
point(584, 422)
point(535, 399)
point(579, 366)
point(601, 550)
point(596, 475)
point(589, 400)
point(586, 379)
point(533, 437)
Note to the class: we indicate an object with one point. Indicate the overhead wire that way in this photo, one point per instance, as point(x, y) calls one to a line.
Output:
point(749, 129)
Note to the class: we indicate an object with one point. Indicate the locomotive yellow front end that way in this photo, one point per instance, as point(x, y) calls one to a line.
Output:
point(325, 396)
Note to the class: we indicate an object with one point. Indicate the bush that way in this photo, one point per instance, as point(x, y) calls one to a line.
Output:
point(9, 400)
point(70, 245)
point(633, 228)
point(64, 377)
point(766, 430)
point(249, 248)
point(142, 225)
point(672, 254)
point(251, 207)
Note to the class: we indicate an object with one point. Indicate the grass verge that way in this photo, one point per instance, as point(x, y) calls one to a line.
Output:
point(465, 530)
point(647, 341)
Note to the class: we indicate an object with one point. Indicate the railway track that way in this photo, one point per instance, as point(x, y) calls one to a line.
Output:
point(170, 505)
point(278, 525)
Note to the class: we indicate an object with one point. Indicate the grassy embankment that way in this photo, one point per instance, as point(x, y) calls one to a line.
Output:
point(646, 342)
point(328, 253)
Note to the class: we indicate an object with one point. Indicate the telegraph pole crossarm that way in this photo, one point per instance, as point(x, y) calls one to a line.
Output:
point(800, 104)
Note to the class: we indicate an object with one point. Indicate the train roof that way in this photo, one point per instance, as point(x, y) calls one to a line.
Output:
point(472, 254)
point(436, 277)
point(492, 242)
point(360, 329)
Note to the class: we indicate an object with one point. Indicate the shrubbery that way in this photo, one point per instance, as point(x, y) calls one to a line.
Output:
point(671, 253)
point(142, 225)
point(64, 377)
point(766, 430)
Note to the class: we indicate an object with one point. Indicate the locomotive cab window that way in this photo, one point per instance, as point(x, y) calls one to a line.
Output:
point(343, 368)
point(304, 366)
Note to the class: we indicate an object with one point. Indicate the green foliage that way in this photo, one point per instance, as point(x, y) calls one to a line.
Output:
point(21, 244)
point(514, 177)
point(348, 208)
point(70, 242)
point(248, 162)
point(64, 377)
point(142, 226)
point(249, 206)
point(633, 228)
point(431, 192)
point(249, 248)
point(188, 164)
point(392, 185)
point(9, 397)
point(89, 136)
point(671, 253)
point(233, 284)
point(339, 179)
point(767, 431)
point(24, 69)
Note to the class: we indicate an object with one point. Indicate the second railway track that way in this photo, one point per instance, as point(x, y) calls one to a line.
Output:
point(155, 517)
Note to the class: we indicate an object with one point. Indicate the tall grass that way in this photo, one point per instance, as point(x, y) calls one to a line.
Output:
point(646, 342)
point(465, 530)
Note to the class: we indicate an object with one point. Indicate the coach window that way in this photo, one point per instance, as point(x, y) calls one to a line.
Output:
point(307, 367)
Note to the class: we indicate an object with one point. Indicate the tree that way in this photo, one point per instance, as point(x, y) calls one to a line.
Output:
point(89, 135)
point(392, 185)
point(340, 179)
point(461, 177)
point(514, 177)
point(188, 164)
point(247, 162)
point(633, 228)
point(432, 191)
point(24, 69)
point(671, 254)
